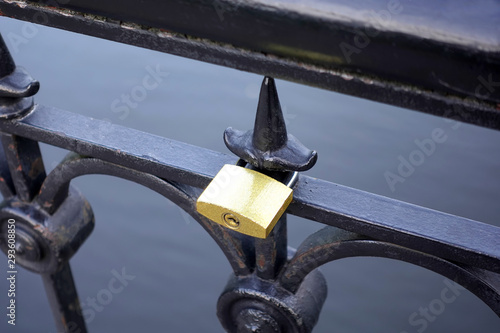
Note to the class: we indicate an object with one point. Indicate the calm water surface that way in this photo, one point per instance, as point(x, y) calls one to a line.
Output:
point(178, 270)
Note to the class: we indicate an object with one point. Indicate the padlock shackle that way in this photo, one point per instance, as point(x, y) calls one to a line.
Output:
point(290, 181)
point(293, 179)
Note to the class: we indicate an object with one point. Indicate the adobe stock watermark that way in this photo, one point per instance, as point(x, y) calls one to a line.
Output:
point(362, 39)
point(29, 30)
point(425, 315)
point(487, 86)
point(185, 217)
point(93, 305)
point(426, 147)
point(220, 182)
point(139, 92)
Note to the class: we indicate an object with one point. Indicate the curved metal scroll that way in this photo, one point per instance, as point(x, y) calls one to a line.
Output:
point(21, 175)
point(55, 188)
point(331, 244)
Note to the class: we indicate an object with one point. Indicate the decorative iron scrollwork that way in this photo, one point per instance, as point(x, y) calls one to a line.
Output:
point(272, 288)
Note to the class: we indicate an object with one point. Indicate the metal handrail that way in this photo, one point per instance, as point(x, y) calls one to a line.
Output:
point(273, 287)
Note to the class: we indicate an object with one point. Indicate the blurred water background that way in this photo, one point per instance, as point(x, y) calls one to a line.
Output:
point(179, 271)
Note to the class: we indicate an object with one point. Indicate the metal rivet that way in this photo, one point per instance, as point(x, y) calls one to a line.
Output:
point(26, 246)
point(256, 321)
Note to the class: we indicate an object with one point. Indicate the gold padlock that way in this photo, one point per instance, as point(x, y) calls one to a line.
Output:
point(245, 200)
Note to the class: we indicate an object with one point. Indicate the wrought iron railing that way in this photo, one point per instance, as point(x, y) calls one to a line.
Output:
point(272, 287)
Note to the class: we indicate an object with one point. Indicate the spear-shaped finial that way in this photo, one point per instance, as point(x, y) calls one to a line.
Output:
point(269, 132)
point(16, 86)
point(268, 146)
point(7, 64)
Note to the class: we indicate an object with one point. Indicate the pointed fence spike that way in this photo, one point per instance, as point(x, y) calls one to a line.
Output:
point(7, 65)
point(270, 129)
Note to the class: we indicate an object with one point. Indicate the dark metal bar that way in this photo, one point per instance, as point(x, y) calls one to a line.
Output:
point(281, 27)
point(63, 298)
point(271, 252)
point(422, 229)
point(451, 70)
point(385, 219)
point(165, 158)
point(6, 185)
point(25, 164)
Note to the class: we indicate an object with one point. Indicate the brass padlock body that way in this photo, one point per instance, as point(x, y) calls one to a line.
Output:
point(244, 200)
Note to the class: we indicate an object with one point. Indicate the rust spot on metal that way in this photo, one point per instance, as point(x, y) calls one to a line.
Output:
point(261, 261)
point(36, 168)
point(241, 264)
point(87, 212)
point(234, 247)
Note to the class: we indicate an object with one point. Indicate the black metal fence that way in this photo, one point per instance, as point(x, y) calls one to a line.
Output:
point(273, 288)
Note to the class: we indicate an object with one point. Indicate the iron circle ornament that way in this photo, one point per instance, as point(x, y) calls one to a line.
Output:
point(43, 242)
point(251, 304)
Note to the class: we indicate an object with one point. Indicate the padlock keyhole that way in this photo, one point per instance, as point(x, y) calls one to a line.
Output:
point(231, 220)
